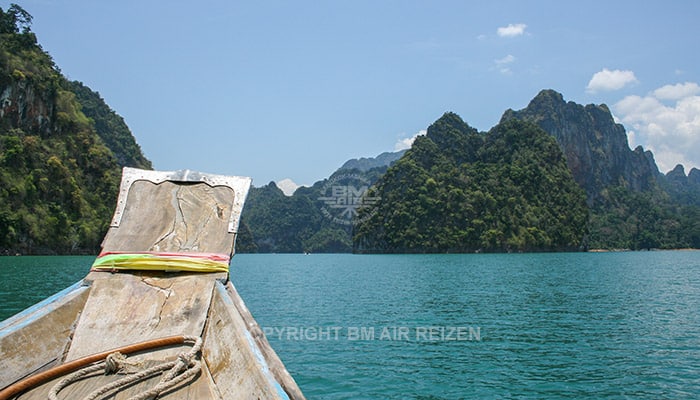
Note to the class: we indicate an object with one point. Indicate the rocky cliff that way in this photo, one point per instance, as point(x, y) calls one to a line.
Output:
point(683, 189)
point(22, 106)
point(595, 147)
point(632, 205)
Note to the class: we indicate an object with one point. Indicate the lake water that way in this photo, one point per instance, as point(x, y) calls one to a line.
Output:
point(574, 325)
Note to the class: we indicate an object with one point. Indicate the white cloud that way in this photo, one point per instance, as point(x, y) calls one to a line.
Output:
point(505, 60)
point(671, 129)
point(512, 30)
point(406, 143)
point(677, 91)
point(287, 186)
point(502, 63)
point(606, 80)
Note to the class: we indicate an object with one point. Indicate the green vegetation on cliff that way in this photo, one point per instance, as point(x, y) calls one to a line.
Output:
point(642, 220)
point(110, 127)
point(632, 205)
point(457, 190)
point(280, 224)
point(58, 177)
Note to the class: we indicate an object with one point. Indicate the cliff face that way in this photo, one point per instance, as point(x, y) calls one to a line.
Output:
point(596, 148)
point(694, 176)
point(632, 205)
point(22, 107)
point(683, 189)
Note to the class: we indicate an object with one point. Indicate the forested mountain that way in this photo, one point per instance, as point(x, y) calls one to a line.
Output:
point(61, 151)
point(684, 190)
point(632, 205)
point(595, 147)
point(458, 190)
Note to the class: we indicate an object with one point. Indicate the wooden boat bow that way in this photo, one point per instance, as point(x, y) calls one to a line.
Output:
point(163, 271)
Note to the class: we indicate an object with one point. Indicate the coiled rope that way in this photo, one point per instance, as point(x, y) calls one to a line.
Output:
point(186, 366)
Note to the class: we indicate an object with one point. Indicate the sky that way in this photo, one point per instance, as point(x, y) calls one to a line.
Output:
point(292, 89)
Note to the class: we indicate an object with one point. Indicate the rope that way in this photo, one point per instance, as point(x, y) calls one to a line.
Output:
point(71, 366)
point(186, 366)
point(115, 362)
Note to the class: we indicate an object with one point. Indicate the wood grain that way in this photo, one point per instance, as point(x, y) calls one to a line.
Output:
point(237, 370)
point(126, 308)
point(38, 340)
point(112, 310)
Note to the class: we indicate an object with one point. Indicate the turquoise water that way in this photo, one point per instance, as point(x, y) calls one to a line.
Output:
point(27, 280)
point(598, 325)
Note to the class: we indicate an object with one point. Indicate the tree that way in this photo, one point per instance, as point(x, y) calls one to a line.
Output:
point(15, 20)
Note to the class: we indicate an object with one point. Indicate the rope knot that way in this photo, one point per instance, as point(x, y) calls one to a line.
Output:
point(185, 359)
point(113, 362)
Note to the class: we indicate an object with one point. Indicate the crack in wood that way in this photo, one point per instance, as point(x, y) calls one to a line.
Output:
point(167, 291)
point(175, 203)
point(179, 199)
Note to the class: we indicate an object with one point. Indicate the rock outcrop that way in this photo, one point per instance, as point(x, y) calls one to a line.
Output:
point(595, 146)
point(22, 106)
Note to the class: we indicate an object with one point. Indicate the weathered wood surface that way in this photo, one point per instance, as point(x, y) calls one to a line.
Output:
point(174, 217)
point(126, 308)
point(37, 338)
point(237, 364)
point(240, 372)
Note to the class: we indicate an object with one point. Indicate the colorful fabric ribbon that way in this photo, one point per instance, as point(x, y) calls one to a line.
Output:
point(155, 261)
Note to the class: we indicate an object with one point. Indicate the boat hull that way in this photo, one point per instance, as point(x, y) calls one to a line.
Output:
point(110, 310)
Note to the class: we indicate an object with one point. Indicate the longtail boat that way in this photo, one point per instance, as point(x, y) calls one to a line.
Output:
point(157, 315)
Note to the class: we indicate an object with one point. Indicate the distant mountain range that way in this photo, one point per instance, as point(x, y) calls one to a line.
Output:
point(365, 164)
point(312, 219)
point(459, 190)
